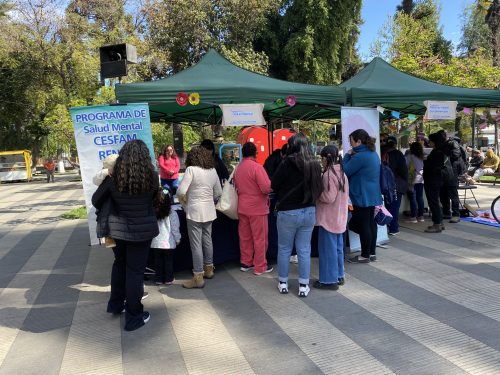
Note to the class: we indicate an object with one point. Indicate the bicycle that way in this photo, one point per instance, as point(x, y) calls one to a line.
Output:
point(495, 208)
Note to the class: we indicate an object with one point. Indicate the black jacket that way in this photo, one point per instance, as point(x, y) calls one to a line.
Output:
point(272, 163)
point(457, 155)
point(288, 185)
point(476, 161)
point(436, 173)
point(397, 163)
point(132, 217)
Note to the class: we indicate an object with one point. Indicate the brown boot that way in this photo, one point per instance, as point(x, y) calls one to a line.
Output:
point(109, 242)
point(436, 228)
point(196, 282)
point(208, 271)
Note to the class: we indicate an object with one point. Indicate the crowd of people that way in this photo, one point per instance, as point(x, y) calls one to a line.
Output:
point(136, 216)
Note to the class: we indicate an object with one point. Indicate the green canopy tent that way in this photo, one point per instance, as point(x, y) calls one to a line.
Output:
point(380, 84)
point(218, 81)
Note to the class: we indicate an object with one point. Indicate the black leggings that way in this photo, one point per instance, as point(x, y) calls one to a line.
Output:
point(363, 223)
point(164, 265)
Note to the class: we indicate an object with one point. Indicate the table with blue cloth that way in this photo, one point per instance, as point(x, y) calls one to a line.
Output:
point(226, 242)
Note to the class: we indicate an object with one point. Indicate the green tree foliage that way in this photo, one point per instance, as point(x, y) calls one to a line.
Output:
point(492, 18)
point(183, 31)
point(417, 33)
point(49, 62)
point(312, 41)
point(475, 32)
point(414, 44)
point(406, 6)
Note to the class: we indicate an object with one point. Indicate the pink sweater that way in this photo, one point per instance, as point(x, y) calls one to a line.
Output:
point(331, 207)
point(253, 186)
point(166, 165)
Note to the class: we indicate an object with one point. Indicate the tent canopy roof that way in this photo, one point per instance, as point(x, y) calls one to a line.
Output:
point(218, 81)
point(379, 83)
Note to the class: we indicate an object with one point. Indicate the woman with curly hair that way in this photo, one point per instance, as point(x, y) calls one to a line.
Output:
point(197, 192)
point(169, 165)
point(132, 223)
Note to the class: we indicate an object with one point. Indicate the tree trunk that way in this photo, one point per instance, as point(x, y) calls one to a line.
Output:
point(493, 20)
point(458, 128)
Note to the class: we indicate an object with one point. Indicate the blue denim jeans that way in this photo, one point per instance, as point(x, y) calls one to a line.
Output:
point(393, 208)
point(170, 184)
point(331, 256)
point(295, 227)
point(416, 198)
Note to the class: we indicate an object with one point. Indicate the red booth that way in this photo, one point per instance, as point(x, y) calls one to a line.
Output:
point(280, 137)
point(258, 136)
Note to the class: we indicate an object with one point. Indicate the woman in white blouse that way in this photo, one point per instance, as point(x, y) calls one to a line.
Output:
point(198, 191)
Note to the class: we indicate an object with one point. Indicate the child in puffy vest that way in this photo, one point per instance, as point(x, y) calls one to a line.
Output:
point(164, 244)
point(108, 164)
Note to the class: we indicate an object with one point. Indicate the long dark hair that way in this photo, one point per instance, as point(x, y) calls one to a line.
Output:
point(363, 136)
point(200, 157)
point(417, 149)
point(209, 145)
point(298, 149)
point(437, 139)
point(331, 154)
point(134, 173)
point(162, 204)
point(164, 152)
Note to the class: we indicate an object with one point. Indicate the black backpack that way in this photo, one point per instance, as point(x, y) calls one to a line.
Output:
point(447, 171)
point(387, 181)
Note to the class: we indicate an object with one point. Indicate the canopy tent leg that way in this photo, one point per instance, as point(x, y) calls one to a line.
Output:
point(473, 126)
point(496, 138)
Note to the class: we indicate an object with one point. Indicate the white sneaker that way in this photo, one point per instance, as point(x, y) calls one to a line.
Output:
point(304, 290)
point(283, 287)
point(294, 259)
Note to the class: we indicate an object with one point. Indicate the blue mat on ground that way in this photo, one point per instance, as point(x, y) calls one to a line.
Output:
point(482, 220)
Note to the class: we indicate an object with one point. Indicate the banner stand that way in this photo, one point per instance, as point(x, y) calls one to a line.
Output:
point(101, 131)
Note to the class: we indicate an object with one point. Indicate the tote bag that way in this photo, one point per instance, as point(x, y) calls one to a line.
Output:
point(382, 215)
point(228, 202)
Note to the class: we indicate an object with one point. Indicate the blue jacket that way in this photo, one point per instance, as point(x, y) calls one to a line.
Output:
point(363, 171)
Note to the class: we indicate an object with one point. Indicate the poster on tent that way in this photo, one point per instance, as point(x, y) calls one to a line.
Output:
point(354, 118)
point(101, 131)
point(440, 110)
point(242, 114)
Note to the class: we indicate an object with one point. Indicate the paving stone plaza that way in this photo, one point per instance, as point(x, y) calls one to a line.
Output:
point(430, 305)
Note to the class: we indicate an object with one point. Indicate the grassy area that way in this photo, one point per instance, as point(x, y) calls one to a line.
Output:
point(487, 179)
point(75, 213)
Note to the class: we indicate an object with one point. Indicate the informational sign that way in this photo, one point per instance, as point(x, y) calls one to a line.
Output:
point(354, 118)
point(242, 114)
point(101, 131)
point(440, 110)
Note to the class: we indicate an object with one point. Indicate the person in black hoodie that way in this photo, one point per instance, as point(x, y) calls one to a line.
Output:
point(397, 162)
point(436, 175)
point(132, 223)
point(220, 167)
point(297, 184)
point(475, 162)
point(272, 162)
point(449, 192)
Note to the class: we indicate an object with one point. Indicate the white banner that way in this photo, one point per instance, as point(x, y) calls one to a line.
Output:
point(242, 114)
point(101, 131)
point(440, 110)
point(354, 118)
